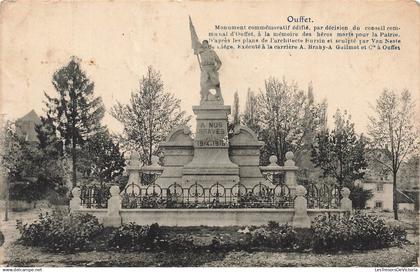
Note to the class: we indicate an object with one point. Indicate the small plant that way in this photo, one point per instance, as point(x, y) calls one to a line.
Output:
point(359, 231)
point(61, 232)
point(55, 198)
point(181, 242)
point(134, 237)
point(274, 235)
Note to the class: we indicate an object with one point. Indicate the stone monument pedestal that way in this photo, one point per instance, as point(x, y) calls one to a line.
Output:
point(211, 162)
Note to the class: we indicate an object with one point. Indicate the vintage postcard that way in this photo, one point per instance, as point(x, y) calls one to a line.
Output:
point(209, 134)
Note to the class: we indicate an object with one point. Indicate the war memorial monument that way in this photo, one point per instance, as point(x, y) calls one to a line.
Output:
point(210, 177)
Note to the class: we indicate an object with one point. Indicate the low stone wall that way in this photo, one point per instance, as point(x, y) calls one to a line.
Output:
point(207, 217)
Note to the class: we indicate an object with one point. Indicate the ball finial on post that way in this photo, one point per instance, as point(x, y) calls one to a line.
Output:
point(273, 160)
point(346, 204)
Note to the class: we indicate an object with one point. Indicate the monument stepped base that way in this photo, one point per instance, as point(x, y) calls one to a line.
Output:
point(211, 157)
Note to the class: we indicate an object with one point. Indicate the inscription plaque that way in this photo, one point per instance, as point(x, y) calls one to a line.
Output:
point(211, 133)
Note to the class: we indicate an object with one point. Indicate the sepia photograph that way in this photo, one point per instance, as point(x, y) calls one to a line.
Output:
point(210, 134)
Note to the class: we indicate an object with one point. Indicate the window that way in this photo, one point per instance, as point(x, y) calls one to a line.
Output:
point(378, 204)
point(379, 187)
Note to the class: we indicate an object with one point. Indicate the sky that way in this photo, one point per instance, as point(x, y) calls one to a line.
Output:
point(117, 40)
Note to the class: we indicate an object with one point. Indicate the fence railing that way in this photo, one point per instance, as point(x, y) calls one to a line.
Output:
point(95, 196)
point(319, 196)
point(213, 196)
point(323, 196)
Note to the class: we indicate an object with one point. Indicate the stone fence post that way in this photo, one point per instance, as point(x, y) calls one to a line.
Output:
point(290, 172)
point(301, 218)
point(346, 203)
point(133, 169)
point(76, 201)
point(113, 217)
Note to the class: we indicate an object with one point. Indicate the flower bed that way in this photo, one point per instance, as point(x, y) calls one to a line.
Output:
point(82, 232)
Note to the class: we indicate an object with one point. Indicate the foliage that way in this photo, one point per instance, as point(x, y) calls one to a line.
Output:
point(52, 162)
point(180, 242)
point(394, 133)
point(147, 238)
point(32, 170)
point(26, 190)
point(58, 197)
point(249, 117)
point(149, 116)
point(274, 235)
point(340, 153)
point(409, 169)
point(134, 237)
point(18, 155)
point(235, 117)
point(235, 110)
point(284, 117)
point(61, 232)
point(359, 196)
point(328, 234)
point(359, 231)
point(101, 158)
point(75, 113)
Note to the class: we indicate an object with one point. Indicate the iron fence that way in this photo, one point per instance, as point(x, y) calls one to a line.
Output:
point(213, 196)
point(323, 196)
point(95, 196)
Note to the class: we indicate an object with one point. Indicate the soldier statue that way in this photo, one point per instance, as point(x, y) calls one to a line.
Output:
point(210, 64)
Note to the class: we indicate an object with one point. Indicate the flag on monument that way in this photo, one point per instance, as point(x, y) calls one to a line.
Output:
point(195, 42)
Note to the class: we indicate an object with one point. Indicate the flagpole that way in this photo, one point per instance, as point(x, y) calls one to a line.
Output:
point(199, 62)
point(194, 41)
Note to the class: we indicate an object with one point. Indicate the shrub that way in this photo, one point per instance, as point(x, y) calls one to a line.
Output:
point(25, 190)
point(274, 235)
point(134, 237)
point(359, 196)
point(179, 243)
point(359, 231)
point(61, 232)
point(55, 198)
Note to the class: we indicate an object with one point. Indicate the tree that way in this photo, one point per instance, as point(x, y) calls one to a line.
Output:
point(30, 172)
point(409, 173)
point(50, 160)
point(340, 153)
point(75, 112)
point(149, 116)
point(102, 158)
point(284, 115)
point(249, 117)
point(394, 133)
point(14, 154)
point(315, 122)
point(235, 117)
point(235, 111)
